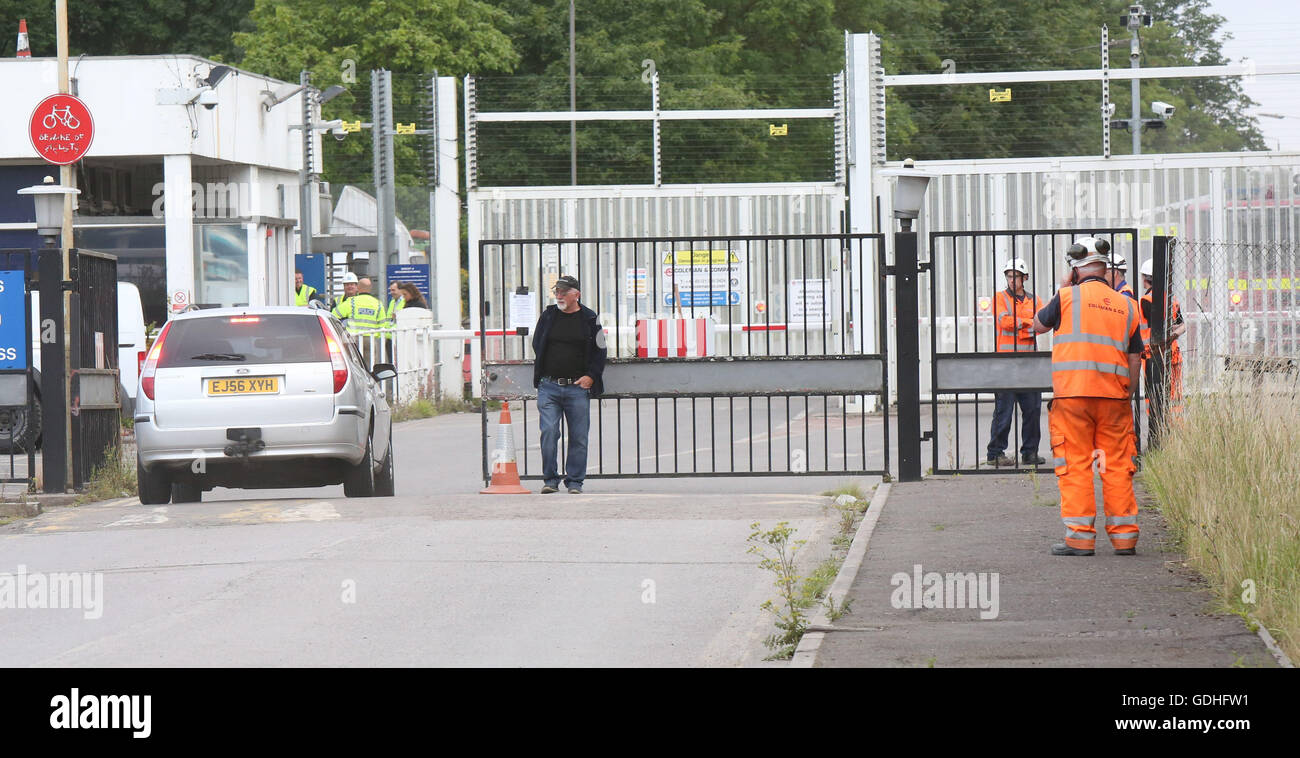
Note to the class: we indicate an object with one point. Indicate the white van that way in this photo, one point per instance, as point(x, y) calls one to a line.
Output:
point(131, 348)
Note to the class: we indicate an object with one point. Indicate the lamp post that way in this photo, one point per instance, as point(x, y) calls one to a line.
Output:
point(50, 199)
point(909, 192)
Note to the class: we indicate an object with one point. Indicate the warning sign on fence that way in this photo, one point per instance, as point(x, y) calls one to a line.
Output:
point(703, 278)
point(808, 300)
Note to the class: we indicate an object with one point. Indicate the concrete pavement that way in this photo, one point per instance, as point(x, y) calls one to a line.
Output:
point(1025, 607)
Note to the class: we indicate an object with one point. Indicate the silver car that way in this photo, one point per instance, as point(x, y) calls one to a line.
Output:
point(260, 397)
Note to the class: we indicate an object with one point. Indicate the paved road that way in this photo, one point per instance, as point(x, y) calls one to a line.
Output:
point(437, 575)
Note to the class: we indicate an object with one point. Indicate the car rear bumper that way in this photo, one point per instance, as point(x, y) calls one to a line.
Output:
point(343, 438)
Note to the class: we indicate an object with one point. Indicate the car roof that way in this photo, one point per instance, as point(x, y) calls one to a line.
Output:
point(257, 310)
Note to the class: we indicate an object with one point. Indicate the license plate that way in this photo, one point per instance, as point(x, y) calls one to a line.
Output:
point(244, 385)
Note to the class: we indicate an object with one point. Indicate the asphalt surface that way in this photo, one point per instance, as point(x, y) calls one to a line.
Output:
point(1147, 610)
point(635, 573)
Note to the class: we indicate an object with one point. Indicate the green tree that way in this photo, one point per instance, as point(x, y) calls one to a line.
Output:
point(131, 27)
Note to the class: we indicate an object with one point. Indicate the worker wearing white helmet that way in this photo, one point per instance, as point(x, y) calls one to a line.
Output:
point(1096, 357)
point(1117, 274)
point(342, 307)
point(1014, 325)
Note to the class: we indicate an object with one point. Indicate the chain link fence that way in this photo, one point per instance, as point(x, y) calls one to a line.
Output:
point(1240, 303)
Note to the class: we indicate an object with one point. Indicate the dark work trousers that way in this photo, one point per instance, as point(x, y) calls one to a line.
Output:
point(1030, 405)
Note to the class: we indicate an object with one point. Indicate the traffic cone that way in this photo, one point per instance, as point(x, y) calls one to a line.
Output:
point(24, 49)
point(505, 476)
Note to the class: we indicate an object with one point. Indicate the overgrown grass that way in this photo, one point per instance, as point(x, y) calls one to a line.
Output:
point(426, 408)
point(847, 488)
point(1225, 478)
point(113, 478)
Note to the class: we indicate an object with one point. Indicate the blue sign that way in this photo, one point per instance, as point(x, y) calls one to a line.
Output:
point(312, 266)
point(14, 333)
point(704, 299)
point(415, 273)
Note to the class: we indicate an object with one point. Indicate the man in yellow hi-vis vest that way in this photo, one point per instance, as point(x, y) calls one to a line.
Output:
point(302, 293)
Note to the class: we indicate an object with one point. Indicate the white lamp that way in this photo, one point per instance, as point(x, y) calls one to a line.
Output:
point(49, 206)
point(909, 191)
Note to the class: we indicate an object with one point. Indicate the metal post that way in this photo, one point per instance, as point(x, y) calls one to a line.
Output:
point(56, 453)
point(573, 98)
point(1157, 384)
point(306, 186)
point(68, 178)
point(379, 134)
point(654, 104)
point(1135, 59)
point(908, 338)
point(1105, 91)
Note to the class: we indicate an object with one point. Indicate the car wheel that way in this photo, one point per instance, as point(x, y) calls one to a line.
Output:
point(20, 428)
point(384, 479)
point(154, 489)
point(359, 480)
point(186, 492)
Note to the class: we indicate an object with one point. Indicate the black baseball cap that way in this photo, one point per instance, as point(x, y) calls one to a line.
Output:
point(567, 283)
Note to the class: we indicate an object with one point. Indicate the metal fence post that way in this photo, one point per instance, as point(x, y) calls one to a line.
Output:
point(907, 330)
point(1156, 365)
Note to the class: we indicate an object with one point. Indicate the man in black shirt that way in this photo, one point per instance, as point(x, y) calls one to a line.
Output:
point(570, 347)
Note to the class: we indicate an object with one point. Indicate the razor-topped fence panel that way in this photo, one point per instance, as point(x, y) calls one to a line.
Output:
point(735, 355)
point(972, 360)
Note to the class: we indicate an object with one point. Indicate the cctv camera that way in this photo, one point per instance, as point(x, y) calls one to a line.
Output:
point(1163, 110)
point(339, 134)
point(208, 99)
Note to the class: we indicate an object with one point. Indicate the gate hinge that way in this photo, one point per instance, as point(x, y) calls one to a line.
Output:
point(889, 269)
point(927, 436)
point(923, 265)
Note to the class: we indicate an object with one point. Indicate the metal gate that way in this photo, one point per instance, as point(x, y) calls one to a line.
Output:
point(965, 369)
point(728, 356)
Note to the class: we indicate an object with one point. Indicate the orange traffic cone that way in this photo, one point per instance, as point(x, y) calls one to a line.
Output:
point(505, 477)
point(24, 49)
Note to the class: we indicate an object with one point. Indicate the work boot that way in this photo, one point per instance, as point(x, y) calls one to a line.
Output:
point(1033, 459)
point(1002, 460)
point(1061, 548)
point(1126, 551)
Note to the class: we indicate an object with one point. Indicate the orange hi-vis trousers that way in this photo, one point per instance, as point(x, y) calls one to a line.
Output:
point(1079, 426)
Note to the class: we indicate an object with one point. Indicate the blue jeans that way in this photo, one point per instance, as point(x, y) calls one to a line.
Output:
point(575, 404)
point(1030, 405)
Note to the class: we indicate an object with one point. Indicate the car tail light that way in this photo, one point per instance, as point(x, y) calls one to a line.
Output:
point(339, 365)
point(151, 362)
point(245, 320)
point(139, 361)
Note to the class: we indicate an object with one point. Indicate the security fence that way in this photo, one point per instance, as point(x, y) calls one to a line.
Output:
point(747, 355)
point(966, 370)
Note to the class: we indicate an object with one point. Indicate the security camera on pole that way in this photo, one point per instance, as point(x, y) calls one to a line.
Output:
point(1135, 19)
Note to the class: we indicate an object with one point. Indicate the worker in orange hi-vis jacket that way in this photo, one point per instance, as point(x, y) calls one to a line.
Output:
point(1174, 328)
point(1014, 327)
point(1096, 356)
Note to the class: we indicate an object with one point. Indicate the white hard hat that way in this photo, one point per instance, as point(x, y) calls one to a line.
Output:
point(349, 278)
point(1118, 261)
point(1017, 265)
point(1088, 250)
point(1146, 267)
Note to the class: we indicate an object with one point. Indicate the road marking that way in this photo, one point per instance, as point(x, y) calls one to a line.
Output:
point(322, 510)
point(156, 516)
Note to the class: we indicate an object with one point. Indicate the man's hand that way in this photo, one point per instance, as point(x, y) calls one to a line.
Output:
point(585, 382)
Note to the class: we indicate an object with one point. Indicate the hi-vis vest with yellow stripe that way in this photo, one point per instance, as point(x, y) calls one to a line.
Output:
point(1010, 315)
point(1175, 353)
point(1090, 349)
point(303, 295)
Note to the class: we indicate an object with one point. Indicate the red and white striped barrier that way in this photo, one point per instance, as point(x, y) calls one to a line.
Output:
point(675, 337)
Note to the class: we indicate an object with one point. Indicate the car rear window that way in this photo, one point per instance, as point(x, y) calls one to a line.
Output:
point(228, 340)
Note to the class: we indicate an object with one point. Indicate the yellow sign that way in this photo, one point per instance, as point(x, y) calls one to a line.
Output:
point(1241, 285)
point(406, 128)
point(352, 126)
point(701, 258)
point(777, 131)
point(1003, 96)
